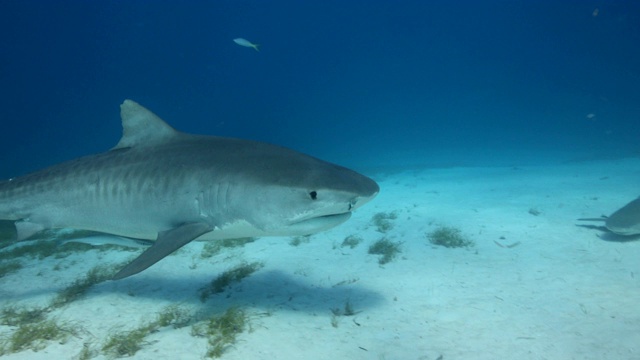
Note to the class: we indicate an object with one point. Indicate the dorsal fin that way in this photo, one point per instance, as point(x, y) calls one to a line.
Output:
point(141, 127)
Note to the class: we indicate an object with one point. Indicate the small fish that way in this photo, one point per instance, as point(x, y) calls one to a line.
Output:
point(246, 43)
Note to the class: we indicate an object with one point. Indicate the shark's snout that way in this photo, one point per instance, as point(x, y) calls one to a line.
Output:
point(367, 190)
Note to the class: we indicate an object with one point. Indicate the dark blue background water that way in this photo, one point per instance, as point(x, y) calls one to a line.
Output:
point(362, 83)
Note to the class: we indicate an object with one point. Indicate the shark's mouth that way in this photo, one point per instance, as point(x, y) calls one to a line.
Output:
point(319, 223)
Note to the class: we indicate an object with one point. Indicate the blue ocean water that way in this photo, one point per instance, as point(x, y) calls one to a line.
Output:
point(365, 84)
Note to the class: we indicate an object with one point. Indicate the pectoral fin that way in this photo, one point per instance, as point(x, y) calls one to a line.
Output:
point(167, 242)
point(603, 218)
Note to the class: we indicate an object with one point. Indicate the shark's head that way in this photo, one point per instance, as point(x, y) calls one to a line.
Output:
point(286, 193)
point(318, 200)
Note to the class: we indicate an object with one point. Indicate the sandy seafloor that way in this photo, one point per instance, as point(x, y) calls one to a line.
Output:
point(563, 292)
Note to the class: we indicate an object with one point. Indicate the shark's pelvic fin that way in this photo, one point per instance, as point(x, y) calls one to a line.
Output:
point(168, 242)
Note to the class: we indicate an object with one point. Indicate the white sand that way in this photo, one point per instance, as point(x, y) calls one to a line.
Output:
point(564, 292)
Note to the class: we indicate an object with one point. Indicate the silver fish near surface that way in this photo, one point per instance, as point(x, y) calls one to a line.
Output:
point(246, 43)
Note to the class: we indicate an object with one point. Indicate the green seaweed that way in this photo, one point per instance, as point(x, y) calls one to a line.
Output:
point(351, 241)
point(388, 249)
point(450, 237)
point(129, 342)
point(80, 286)
point(125, 343)
point(383, 221)
point(34, 330)
point(211, 248)
point(173, 315)
point(296, 241)
point(222, 330)
point(228, 277)
point(10, 267)
point(18, 316)
point(34, 336)
point(87, 352)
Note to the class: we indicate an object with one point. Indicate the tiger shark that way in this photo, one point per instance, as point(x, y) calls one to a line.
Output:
point(624, 221)
point(171, 187)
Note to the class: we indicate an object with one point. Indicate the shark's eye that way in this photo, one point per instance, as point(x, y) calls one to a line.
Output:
point(314, 195)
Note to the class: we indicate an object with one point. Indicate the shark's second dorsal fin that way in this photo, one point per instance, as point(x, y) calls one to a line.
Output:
point(141, 127)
